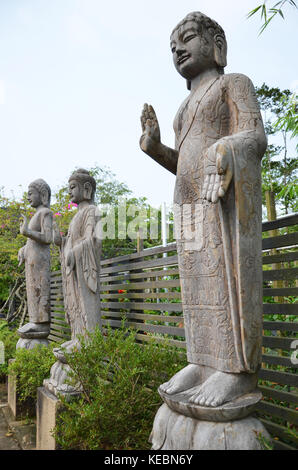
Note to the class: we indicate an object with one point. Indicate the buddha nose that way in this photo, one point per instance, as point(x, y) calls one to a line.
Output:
point(180, 48)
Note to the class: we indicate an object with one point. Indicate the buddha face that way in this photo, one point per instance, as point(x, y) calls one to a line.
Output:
point(34, 197)
point(76, 191)
point(193, 52)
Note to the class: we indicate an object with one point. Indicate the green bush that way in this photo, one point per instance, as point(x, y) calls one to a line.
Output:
point(119, 378)
point(9, 339)
point(31, 367)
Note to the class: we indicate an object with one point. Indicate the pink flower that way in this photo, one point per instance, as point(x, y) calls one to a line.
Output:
point(57, 214)
point(74, 204)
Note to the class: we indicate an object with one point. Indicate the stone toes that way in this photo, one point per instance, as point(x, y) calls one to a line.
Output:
point(202, 400)
point(197, 398)
point(166, 387)
point(215, 403)
point(209, 401)
point(170, 390)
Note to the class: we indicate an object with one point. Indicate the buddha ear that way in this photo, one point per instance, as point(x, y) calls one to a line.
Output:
point(220, 50)
point(87, 191)
point(44, 197)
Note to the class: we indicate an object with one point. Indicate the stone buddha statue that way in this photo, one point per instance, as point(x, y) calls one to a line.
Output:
point(220, 142)
point(80, 266)
point(36, 255)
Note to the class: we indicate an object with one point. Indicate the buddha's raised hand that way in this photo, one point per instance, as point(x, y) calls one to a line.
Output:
point(150, 139)
point(24, 225)
point(218, 172)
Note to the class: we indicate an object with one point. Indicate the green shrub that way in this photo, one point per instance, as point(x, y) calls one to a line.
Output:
point(9, 339)
point(119, 378)
point(31, 367)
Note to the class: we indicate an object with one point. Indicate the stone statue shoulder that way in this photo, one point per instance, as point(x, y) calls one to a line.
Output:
point(241, 90)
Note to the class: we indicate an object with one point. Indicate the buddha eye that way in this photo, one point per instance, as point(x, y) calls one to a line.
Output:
point(188, 38)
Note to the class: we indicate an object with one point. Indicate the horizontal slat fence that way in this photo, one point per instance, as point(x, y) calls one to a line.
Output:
point(144, 287)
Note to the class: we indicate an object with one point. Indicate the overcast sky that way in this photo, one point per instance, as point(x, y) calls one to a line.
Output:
point(74, 75)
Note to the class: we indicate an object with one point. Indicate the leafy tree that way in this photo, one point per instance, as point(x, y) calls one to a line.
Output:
point(279, 169)
point(267, 14)
point(11, 241)
point(287, 120)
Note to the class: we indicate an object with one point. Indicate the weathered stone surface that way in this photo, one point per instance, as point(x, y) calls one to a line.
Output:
point(239, 408)
point(80, 265)
point(12, 394)
point(31, 343)
point(46, 414)
point(175, 431)
point(220, 141)
point(36, 255)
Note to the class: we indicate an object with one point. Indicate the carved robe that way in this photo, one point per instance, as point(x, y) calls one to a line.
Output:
point(220, 266)
point(37, 269)
point(81, 274)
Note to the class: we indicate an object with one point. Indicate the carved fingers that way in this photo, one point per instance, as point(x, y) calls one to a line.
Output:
point(150, 128)
point(24, 225)
point(218, 176)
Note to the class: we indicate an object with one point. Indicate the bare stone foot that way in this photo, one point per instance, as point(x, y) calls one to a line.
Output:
point(222, 387)
point(185, 379)
point(67, 347)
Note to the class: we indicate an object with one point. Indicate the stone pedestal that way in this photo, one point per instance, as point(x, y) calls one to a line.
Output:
point(46, 414)
point(18, 409)
point(173, 431)
point(30, 343)
point(180, 425)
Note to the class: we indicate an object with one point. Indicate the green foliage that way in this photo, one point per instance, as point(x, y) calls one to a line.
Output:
point(265, 443)
point(288, 118)
point(119, 378)
point(267, 15)
point(9, 338)
point(279, 167)
point(31, 367)
point(11, 241)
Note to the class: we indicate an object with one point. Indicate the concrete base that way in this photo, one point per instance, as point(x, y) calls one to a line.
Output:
point(173, 431)
point(12, 394)
point(46, 414)
point(19, 409)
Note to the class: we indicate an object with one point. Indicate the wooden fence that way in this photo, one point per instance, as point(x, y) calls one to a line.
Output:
point(144, 286)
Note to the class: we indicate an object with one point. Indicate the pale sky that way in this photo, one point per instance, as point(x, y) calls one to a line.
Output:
point(74, 75)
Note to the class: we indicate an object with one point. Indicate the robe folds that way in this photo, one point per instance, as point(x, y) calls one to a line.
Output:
point(220, 244)
point(80, 264)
